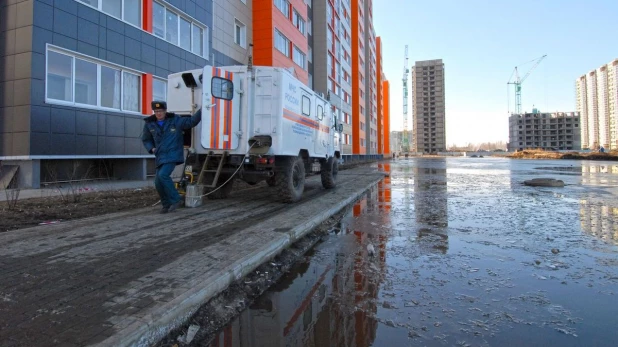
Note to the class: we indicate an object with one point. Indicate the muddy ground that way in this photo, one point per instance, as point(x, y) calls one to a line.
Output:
point(73, 203)
point(52, 209)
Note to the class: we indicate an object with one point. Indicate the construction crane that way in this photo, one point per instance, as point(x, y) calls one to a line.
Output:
point(518, 81)
point(405, 147)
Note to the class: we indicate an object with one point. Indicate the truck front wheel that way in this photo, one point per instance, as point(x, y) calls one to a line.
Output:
point(291, 179)
point(330, 169)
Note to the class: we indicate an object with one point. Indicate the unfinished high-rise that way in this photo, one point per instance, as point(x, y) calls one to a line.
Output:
point(548, 131)
point(428, 107)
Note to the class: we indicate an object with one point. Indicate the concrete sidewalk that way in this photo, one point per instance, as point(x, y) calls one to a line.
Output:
point(128, 278)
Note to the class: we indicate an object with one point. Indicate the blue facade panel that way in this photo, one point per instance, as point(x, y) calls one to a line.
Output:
point(54, 129)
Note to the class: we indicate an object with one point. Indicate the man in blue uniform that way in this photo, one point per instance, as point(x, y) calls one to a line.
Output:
point(162, 136)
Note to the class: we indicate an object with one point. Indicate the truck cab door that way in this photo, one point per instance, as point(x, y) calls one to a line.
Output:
point(220, 110)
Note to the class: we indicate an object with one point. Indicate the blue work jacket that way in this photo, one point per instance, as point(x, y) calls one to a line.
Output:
point(168, 138)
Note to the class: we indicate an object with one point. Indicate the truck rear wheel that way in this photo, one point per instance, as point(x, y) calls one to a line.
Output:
point(224, 190)
point(330, 169)
point(291, 179)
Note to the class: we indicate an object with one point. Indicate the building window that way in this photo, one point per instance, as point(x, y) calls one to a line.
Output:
point(178, 30)
point(299, 57)
point(282, 44)
point(129, 11)
point(240, 33)
point(284, 7)
point(78, 81)
point(159, 89)
point(299, 22)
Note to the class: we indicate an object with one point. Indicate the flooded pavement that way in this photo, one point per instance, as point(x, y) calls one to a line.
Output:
point(463, 255)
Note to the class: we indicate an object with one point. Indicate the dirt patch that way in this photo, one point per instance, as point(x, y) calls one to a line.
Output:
point(31, 212)
point(540, 154)
point(223, 308)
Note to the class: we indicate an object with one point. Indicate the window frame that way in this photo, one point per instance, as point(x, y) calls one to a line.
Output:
point(284, 2)
point(99, 63)
point(182, 16)
point(296, 19)
point(159, 79)
point(243, 32)
point(297, 51)
point(100, 9)
point(287, 41)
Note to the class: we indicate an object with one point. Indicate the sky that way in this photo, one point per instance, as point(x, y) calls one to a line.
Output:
point(480, 43)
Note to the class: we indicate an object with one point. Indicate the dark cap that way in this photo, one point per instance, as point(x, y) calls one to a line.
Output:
point(159, 105)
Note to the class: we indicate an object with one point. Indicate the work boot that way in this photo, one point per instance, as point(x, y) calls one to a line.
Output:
point(173, 207)
point(164, 209)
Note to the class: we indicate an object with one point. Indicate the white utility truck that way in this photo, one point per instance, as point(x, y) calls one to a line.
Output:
point(258, 123)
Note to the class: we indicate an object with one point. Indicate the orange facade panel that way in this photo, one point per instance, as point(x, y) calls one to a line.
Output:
point(380, 116)
point(263, 33)
point(387, 115)
point(266, 19)
point(147, 23)
point(146, 93)
point(357, 86)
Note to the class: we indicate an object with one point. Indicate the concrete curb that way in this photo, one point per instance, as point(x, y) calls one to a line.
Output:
point(175, 313)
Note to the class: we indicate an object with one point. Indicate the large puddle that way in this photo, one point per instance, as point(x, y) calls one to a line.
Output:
point(464, 255)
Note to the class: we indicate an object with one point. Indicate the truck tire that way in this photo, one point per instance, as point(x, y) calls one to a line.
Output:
point(291, 179)
point(224, 191)
point(330, 169)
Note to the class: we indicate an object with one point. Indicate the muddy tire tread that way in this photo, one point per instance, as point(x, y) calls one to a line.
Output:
point(284, 180)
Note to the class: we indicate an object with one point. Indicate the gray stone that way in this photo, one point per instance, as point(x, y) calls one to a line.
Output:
point(544, 182)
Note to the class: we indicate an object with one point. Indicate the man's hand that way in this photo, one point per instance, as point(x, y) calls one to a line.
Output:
point(153, 150)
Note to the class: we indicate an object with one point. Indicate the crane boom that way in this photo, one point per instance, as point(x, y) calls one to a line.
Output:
point(518, 81)
point(405, 145)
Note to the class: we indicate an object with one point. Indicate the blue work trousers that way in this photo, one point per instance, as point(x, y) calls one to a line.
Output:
point(165, 186)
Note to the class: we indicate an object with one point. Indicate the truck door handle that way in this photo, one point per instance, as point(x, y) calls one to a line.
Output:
point(209, 106)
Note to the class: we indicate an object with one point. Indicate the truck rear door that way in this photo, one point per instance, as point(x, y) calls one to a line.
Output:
point(221, 110)
point(322, 130)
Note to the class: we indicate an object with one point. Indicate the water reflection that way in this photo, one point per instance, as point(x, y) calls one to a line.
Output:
point(599, 173)
point(599, 220)
point(431, 204)
point(330, 300)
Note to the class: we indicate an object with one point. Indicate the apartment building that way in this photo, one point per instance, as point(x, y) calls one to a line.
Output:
point(597, 102)
point(77, 78)
point(428, 100)
point(397, 140)
point(548, 131)
point(232, 32)
point(370, 73)
point(331, 69)
point(382, 103)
